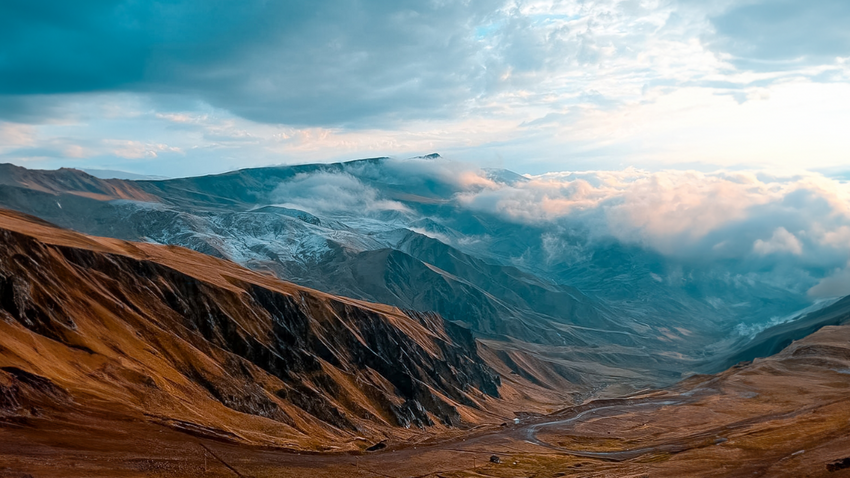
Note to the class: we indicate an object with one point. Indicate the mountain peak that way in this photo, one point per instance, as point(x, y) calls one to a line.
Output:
point(429, 156)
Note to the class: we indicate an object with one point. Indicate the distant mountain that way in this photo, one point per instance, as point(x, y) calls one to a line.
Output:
point(598, 313)
point(65, 182)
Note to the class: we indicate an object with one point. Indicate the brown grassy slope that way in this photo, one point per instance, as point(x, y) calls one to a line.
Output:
point(784, 416)
point(172, 336)
point(787, 415)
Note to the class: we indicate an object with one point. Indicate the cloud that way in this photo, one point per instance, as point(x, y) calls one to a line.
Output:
point(688, 214)
point(373, 64)
point(838, 237)
point(782, 241)
point(425, 173)
point(537, 85)
point(15, 135)
point(136, 150)
point(795, 218)
point(322, 62)
point(779, 35)
point(332, 193)
point(772, 230)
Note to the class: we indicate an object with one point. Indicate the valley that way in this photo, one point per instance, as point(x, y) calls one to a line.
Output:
point(786, 415)
point(595, 326)
point(249, 340)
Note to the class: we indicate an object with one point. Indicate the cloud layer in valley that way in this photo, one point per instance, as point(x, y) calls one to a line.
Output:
point(798, 221)
point(325, 192)
point(795, 224)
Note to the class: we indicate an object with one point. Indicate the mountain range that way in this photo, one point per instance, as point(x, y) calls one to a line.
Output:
point(151, 327)
point(136, 359)
point(390, 232)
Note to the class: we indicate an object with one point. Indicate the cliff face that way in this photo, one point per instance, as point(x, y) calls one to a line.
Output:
point(203, 345)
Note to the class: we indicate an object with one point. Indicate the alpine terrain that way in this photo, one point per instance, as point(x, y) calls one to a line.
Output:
point(229, 324)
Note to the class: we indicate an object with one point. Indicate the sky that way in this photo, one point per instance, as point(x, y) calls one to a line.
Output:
point(188, 87)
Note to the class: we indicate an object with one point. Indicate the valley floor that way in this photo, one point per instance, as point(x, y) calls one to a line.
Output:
point(786, 415)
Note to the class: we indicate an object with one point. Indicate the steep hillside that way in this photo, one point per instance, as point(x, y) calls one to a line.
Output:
point(70, 181)
point(171, 336)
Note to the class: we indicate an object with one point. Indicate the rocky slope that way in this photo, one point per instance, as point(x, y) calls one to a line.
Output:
point(167, 335)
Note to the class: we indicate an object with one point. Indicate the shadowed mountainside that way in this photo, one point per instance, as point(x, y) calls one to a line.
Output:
point(200, 344)
point(772, 340)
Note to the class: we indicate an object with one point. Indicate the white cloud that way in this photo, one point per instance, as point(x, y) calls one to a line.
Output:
point(130, 149)
point(782, 241)
point(839, 237)
point(722, 215)
point(332, 192)
point(532, 85)
point(796, 219)
point(182, 117)
point(15, 135)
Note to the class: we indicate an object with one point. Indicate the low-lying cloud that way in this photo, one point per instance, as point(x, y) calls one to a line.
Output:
point(797, 223)
point(781, 242)
point(673, 211)
point(326, 192)
point(835, 285)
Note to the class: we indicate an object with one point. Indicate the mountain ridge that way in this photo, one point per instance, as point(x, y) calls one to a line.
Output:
point(208, 331)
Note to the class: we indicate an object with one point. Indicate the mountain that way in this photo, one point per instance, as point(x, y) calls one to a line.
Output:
point(774, 339)
point(785, 415)
point(65, 182)
point(420, 337)
point(101, 329)
point(607, 317)
point(138, 359)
